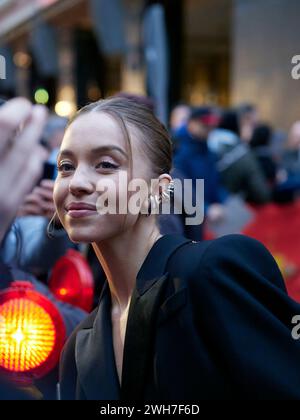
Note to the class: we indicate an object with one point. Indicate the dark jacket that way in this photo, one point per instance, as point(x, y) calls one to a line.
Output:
point(207, 320)
point(196, 161)
point(240, 173)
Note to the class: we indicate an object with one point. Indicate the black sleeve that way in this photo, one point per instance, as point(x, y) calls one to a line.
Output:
point(239, 297)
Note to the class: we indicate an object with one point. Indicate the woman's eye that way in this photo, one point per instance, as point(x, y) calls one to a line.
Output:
point(65, 167)
point(107, 165)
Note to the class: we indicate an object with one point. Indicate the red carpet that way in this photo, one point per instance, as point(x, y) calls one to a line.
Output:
point(278, 228)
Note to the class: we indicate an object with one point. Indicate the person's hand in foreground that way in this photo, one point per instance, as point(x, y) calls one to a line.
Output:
point(21, 155)
point(40, 201)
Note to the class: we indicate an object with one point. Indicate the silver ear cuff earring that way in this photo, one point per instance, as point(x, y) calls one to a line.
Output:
point(155, 201)
point(166, 195)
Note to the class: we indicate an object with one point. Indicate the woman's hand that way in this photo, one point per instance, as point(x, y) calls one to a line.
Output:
point(21, 156)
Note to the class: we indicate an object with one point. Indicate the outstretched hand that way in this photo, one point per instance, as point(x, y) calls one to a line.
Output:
point(21, 155)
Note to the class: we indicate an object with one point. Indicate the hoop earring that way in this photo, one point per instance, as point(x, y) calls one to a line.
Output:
point(52, 230)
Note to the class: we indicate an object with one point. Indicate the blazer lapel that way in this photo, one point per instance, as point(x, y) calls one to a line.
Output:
point(142, 316)
point(97, 373)
point(94, 353)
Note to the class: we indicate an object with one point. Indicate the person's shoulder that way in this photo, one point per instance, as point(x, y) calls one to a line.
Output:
point(237, 247)
point(234, 243)
point(227, 244)
point(229, 256)
point(199, 250)
point(231, 259)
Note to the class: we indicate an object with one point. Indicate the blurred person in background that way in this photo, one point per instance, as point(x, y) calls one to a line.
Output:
point(288, 176)
point(260, 146)
point(179, 117)
point(291, 156)
point(195, 161)
point(248, 118)
point(239, 169)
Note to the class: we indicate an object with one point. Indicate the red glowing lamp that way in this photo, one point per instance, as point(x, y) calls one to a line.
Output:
point(32, 333)
point(72, 280)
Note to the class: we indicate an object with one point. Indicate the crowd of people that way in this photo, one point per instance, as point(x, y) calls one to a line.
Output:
point(244, 154)
point(235, 153)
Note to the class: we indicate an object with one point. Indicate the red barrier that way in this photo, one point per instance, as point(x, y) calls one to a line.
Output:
point(278, 228)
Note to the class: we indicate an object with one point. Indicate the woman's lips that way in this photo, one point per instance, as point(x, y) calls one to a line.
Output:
point(78, 210)
point(76, 214)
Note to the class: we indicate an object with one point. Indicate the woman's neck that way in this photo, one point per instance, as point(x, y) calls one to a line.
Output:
point(121, 258)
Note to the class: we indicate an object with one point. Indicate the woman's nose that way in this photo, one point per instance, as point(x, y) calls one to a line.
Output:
point(81, 183)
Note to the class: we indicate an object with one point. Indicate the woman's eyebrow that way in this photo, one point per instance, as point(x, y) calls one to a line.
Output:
point(64, 153)
point(97, 150)
point(108, 148)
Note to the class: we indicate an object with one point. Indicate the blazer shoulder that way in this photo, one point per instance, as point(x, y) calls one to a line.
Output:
point(241, 257)
point(237, 254)
point(239, 249)
point(195, 253)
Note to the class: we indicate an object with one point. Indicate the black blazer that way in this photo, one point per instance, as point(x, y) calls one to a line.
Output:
point(207, 320)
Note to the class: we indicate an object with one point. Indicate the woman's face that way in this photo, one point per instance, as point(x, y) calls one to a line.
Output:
point(94, 150)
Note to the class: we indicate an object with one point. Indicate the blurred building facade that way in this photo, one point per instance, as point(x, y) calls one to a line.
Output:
point(222, 52)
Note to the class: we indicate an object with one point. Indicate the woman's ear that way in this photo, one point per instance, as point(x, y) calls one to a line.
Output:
point(164, 181)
